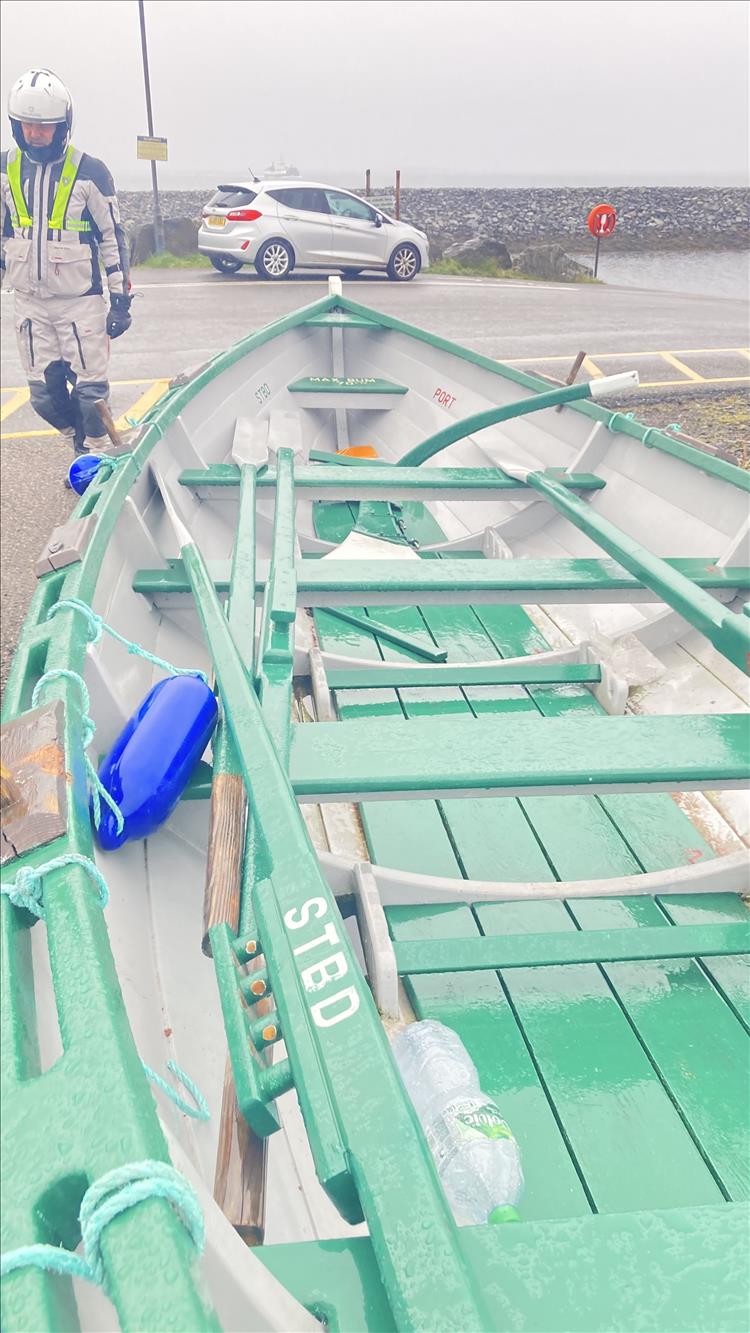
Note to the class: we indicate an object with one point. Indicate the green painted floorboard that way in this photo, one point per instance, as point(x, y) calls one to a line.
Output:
point(630, 1142)
point(691, 1036)
point(594, 1081)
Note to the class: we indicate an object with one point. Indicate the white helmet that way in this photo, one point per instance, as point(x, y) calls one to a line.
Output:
point(40, 95)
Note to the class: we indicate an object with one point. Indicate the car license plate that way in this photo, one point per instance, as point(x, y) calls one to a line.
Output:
point(214, 221)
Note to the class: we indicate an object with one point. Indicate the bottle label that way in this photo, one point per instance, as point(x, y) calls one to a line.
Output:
point(462, 1120)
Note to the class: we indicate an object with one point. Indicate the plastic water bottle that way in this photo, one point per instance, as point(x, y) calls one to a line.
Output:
point(476, 1155)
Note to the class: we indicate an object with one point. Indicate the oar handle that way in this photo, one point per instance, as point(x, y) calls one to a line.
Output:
point(226, 844)
point(535, 403)
point(108, 421)
point(601, 388)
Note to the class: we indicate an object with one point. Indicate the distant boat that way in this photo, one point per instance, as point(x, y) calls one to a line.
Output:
point(279, 171)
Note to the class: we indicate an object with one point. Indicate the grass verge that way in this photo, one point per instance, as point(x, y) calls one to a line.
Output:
point(175, 261)
point(489, 268)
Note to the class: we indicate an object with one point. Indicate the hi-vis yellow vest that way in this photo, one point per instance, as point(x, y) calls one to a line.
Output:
point(57, 222)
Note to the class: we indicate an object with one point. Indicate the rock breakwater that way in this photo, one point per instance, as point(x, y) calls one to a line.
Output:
point(669, 217)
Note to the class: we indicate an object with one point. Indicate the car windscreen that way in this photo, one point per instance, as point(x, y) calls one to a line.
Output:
point(232, 196)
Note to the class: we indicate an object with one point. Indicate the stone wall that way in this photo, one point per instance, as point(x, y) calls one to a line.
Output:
point(647, 217)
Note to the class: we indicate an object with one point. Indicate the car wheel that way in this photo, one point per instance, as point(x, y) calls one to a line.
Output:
point(274, 260)
point(225, 263)
point(405, 263)
point(351, 272)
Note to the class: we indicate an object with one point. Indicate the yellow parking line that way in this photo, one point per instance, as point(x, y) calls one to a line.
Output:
point(141, 407)
point(704, 351)
point(20, 396)
point(26, 434)
point(616, 356)
point(670, 384)
point(114, 384)
point(680, 365)
point(152, 394)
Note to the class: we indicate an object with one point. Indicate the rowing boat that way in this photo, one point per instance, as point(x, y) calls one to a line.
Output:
point(480, 755)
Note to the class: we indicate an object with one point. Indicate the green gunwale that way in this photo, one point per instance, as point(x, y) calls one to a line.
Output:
point(30, 1298)
point(76, 928)
point(715, 467)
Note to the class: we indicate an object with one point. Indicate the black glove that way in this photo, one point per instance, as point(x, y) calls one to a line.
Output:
point(119, 318)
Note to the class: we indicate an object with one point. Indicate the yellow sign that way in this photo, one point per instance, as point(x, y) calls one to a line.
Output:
point(153, 150)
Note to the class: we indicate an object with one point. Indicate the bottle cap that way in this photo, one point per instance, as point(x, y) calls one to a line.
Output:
point(505, 1214)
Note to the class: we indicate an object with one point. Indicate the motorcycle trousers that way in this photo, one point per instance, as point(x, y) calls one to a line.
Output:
point(64, 351)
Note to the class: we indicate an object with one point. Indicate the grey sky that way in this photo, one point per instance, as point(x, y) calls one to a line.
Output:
point(481, 91)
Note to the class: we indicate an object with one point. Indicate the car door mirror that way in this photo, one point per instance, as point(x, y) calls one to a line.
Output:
point(378, 220)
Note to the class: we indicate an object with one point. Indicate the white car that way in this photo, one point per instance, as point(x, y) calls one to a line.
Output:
point(281, 225)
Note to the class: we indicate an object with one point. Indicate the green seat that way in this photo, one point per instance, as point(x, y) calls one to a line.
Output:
point(370, 479)
point(358, 392)
point(397, 582)
point(518, 755)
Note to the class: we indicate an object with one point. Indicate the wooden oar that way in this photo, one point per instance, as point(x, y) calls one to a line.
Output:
point(227, 818)
point(226, 843)
point(240, 1175)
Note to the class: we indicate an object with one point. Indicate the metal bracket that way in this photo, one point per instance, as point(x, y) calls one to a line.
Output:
point(612, 690)
point(493, 546)
point(66, 545)
point(34, 804)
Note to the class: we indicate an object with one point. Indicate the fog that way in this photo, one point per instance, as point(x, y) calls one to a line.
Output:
point(485, 93)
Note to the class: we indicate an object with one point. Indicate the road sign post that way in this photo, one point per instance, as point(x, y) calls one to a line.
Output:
point(159, 245)
point(602, 221)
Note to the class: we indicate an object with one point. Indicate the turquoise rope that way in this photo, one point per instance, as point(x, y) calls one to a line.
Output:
point(107, 1198)
point(27, 890)
point(97, 626)
point(616, 417)
point(657, 430)
point(98, 791)
point(109, 464)
point(200, 1111)
point(127, 1186)
point(51, 1258)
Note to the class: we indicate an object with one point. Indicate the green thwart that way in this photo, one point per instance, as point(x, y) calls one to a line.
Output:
point(478, 751)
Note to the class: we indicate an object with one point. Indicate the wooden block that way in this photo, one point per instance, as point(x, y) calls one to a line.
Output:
point(66, 545)
point(34, 796)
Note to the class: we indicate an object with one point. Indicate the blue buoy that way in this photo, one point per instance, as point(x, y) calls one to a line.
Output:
point(150, 763)
point(82, 471)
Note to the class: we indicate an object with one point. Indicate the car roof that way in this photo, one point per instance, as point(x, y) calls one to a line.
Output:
point(288, 182)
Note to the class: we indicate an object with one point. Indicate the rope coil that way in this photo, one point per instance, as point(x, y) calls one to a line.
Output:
point(107, 1198)
point(27, 888)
